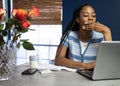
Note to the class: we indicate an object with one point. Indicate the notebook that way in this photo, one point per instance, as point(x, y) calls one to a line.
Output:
point(107, 62)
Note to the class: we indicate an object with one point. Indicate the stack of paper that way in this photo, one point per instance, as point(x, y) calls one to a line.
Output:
point(53, 67)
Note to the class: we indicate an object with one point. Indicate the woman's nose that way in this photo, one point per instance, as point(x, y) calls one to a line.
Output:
point(90, 17)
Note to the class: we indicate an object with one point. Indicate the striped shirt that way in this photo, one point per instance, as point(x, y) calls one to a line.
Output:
point(75, 51)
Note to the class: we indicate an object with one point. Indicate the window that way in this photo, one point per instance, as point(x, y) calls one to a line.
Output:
point(45, 38)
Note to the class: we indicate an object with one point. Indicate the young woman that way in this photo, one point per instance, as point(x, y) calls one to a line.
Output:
point(83, 40)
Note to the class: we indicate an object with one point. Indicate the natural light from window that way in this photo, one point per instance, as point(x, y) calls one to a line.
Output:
point(45, 38)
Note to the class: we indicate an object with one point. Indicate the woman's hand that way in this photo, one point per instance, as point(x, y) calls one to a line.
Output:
point(98, 27)
point(88, 65)
point(89, 26)
point(95, 26)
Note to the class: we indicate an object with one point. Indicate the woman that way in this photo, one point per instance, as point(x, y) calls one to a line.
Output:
point(83, 40)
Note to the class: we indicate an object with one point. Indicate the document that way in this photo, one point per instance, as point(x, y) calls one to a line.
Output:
point(53, 67)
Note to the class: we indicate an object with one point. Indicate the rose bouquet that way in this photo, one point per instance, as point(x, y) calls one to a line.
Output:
point(12, 28)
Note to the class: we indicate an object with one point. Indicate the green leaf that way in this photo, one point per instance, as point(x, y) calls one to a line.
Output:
point(24, 30)
point(24, 40)
point(28, 46)
point(18, 45)
point(1, 26)
point(4, 33)
point(31, 29)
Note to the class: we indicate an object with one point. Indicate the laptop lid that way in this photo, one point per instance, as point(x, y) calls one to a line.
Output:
point(107, 61)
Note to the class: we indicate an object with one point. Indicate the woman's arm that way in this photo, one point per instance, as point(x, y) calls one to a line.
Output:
point(105, 30)
point(61, 60)
point(98, 27)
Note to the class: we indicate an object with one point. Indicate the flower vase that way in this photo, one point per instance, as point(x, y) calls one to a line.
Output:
point(7, 63)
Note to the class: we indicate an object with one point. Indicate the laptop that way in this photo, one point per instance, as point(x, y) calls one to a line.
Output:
point(107, 64)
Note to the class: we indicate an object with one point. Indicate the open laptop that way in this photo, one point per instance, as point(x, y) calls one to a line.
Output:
point(107, 62)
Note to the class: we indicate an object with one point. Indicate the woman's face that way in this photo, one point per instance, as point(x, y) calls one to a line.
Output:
point(87, 15)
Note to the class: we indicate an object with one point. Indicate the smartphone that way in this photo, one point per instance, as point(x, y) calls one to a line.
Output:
point(29, 71)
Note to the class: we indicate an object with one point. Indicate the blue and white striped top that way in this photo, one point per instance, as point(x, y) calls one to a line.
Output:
point(73, 42)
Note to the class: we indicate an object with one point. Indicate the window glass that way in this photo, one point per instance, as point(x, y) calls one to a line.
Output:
point(45, 38)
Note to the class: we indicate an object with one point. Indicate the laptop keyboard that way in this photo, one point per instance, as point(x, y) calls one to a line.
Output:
point(85, 72)
point(89, 72)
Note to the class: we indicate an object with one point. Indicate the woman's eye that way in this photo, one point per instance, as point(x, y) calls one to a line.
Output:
point(85, 15)
point(94, 15)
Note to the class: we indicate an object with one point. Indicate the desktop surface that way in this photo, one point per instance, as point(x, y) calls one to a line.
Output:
point(56, 78)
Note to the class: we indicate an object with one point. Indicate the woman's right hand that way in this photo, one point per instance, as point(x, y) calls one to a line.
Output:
point(88, 65)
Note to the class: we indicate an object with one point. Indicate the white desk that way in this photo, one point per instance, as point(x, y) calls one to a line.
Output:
point(61, 78)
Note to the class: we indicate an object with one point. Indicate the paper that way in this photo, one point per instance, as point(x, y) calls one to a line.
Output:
point(53, 67)
point(45, 71)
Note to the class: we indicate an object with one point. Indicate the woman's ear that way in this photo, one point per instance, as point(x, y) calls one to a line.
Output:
point(77, 20)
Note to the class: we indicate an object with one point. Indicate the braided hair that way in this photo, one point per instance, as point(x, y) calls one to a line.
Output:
point(73, 25)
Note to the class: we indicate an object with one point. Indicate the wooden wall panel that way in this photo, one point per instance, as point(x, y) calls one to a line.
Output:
point(0, 3)
point(50, 10)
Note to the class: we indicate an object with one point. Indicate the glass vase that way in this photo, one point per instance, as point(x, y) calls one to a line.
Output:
point(7, 63)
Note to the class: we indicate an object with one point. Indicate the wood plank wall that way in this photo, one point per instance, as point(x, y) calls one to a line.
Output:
point(50, 10)
point(0, 3)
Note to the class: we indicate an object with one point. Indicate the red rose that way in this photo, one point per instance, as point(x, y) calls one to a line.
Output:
point(34, 12)
point(26, 24)
point(19, 14)
point(2, 13)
